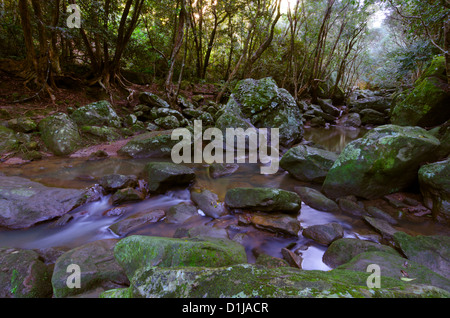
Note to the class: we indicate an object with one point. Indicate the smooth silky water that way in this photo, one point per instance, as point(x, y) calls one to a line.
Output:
point(91, 221)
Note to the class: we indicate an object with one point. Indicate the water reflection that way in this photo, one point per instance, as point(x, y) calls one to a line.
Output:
point(90, 223)
point(334, 138)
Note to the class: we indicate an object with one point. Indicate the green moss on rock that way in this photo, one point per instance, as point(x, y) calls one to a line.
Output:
point(135, 252)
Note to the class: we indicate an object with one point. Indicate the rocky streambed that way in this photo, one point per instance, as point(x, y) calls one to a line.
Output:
point(122, 220)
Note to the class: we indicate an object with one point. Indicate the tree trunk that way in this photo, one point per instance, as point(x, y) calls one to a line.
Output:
point(447, 47)
point(257, 54)
point(170, 91)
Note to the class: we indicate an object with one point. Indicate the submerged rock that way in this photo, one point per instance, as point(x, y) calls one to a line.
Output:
point(263, 199)
point(25, 203)
point(60, 134)
point(308, 163)
point(218, 170)
point(385, 160)
point(135, 221)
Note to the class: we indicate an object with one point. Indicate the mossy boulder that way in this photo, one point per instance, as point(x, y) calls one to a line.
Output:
point(435, 69)
point(427, 104)
point(261, 103)
point(384, 161)
point(263, 199)
point(306, 163)
point(168, 122)
point(98, 269)
point(24, 125)
point(343, 250)
point(60, 134)
point(434, 180)
point(152, 100)
point(377, 103)
point(136, 252)
point(163, 175)
point(103, 133)
point(23, 274)
point(397, 267)
point(250, 281)
point(431, 251)
point(156, 144)
point(8, 140)
point(100, 113)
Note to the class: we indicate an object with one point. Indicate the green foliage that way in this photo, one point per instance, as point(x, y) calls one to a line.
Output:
point(324, 41)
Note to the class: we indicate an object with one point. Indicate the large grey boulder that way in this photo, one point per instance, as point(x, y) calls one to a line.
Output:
point(24, 203)
point(99, 270)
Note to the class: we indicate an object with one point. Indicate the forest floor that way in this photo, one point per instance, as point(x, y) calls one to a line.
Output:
point(16, 101)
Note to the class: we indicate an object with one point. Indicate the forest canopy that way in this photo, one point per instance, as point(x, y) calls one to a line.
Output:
point(311, 48)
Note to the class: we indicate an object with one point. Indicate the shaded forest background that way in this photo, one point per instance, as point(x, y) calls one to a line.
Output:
point(323, 48)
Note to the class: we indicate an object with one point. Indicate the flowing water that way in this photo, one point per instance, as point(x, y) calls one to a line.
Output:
point(90, 222)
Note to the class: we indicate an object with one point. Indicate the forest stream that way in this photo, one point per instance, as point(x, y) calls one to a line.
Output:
point(91, 221)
